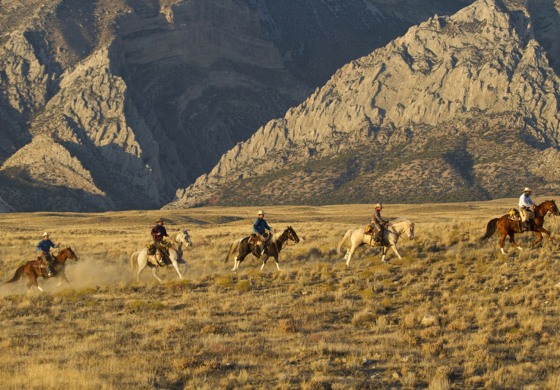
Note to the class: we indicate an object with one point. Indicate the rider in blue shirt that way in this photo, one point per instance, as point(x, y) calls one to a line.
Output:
point(44, 246)
point(260, 227)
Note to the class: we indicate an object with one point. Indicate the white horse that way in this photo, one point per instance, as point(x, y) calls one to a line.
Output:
point(141, 258)
point(391, 235)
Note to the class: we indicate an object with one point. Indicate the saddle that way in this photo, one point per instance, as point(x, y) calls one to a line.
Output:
point(255, 240)
point(161, 254)
point(514, 214)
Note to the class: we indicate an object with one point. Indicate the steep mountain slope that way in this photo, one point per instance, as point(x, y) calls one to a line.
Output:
point(461, 107)
point(147, 94)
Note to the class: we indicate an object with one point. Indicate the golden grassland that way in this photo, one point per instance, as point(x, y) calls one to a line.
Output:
point(452, 314)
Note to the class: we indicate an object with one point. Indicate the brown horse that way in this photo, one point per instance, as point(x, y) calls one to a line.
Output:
point(272, 248)
point(508, 227)
point(35, 269)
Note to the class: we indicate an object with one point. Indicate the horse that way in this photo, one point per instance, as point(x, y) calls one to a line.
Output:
point(35, 269)
point(391, 235)
point(508, 227)
point(271, 248)
point(141, 258)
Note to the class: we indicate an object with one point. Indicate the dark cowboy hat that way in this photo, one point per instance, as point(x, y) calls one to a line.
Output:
point(160, 220)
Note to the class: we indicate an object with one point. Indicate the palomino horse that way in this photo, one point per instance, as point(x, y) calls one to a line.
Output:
point(508, 227)
point(272, 248)
point(391, 235)
point(35, 269)
point(142, 259)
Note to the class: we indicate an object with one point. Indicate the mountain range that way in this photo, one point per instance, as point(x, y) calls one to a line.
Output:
point(108, 105)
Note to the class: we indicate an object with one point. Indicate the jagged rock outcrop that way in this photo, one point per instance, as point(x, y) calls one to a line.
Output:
point(461, 107)
point(148, 95)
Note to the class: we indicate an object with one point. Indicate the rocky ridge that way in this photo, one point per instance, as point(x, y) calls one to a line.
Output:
point(147, 95)
point(460, 107)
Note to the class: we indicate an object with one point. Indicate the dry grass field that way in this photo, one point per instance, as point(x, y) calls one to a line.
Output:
point(452, 314)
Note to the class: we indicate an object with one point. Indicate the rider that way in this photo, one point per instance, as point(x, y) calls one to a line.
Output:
point(158, 232)
point(259, 229)
point(44, 246)
point(525, 209)
point(378, 222)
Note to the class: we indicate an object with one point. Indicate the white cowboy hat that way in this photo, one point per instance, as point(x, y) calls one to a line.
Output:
point(527, 189)
point(378, 206)
point(260, 212)
point(45, 234)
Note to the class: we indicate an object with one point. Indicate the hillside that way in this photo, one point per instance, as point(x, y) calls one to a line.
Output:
point(452, 314)
point(147, 95)
point(460, 107)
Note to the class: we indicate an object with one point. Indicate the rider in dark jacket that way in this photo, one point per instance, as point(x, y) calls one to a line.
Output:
point(44, 246)
point(158, 232)
point(259, 229)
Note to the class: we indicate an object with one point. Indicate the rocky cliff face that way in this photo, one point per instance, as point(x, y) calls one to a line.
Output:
point(461, 107)
point(140, 97)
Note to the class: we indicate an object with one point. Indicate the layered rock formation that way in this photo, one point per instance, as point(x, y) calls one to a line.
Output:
point(461, 107)
point(141, 97)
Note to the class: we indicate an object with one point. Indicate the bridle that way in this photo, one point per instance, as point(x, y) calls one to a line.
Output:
point(290, 237)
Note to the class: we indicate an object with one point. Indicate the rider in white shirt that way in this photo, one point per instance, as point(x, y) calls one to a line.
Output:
point(525, 204)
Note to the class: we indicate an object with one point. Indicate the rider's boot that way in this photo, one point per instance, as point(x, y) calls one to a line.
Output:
point(50, 271)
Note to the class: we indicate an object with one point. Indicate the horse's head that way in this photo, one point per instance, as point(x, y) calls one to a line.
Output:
point(292, 235)
point(67, 254)
point(184, 238)
point(404, 226)
point(554, 209)
point(548, 206)
point(411, 231)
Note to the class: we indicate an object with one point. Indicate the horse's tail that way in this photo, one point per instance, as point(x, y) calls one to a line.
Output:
point(134, 260)
point(344, 239)
point(490, 229)
point(17, 275)
point(234, 246)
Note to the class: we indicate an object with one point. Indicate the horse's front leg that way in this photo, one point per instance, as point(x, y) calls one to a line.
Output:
point(62, 278)
point(176, 266)
point(394, 247)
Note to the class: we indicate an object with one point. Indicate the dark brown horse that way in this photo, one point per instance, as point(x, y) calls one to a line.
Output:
point(35, 269)
point(508, 227)
point(272, 248)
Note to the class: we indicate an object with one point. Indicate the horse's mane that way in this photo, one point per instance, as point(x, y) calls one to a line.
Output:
point(398, 220)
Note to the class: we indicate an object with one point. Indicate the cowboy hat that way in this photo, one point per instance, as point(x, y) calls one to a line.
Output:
point(260, 212)
point(45, 234)
point(378, 206)
point(159, 220)
point(527, 189)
